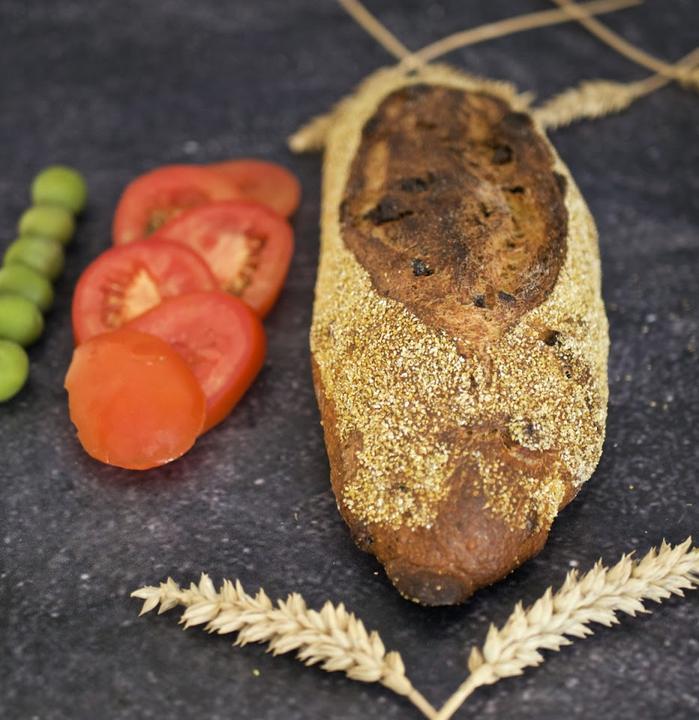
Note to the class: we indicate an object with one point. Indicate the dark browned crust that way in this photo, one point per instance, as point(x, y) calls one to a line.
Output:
point(467, 547)
point(453, 208)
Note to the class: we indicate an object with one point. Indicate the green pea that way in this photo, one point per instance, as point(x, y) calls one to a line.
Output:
point(20, 320)
point(60, 185)
point(14, 369)
point(49, 221)
point(41, 254)
point(21, 280)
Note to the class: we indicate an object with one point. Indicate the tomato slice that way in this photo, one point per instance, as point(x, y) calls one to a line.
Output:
point(247, 246)
point(265, 182)
point(151, 200)
point(134, 401)
point(124, 282)
point(221, 339)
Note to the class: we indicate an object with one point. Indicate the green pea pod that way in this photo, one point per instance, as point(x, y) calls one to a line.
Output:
point(20, 320)
point(51, 221)
point(60, 185)
point(44, 255)
point(24, 281)
point(14, 369)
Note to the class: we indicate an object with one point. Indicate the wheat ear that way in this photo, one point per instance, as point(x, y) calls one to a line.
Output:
point(591, 99)
point(595, 597)
point(596, 98)
point(334, 638)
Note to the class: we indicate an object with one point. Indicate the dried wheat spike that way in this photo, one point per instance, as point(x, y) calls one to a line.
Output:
point(595, 597)
point(590, 99)
point(692, 80)
point(333, 638)
point(338, 641)
point(596, 98)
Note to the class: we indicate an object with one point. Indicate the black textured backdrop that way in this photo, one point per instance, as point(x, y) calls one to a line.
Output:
point(119, 87)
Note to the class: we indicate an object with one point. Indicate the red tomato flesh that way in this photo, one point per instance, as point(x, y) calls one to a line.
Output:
point(151, 200)
point(265, 182)
point(134, 401)
point(125, 282)
point(247, 246)
point(221, 339)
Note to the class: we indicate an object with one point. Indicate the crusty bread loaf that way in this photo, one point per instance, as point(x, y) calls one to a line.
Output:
point(459, 340)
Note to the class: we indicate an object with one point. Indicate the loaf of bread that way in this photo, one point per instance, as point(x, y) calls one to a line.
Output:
point(459, 339)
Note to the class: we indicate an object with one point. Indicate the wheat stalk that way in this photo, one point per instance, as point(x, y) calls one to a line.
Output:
point(619, 44)
point(389, 42)
point(595, 597)
point(596, 98)
point(590, 99)
point(512, 25)
point(338, 640)
point(374, 27)
point(334, 638)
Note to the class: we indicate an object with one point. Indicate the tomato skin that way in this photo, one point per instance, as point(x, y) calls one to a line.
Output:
point(221, 232)
point(134, 401)
point(264, 182)
point(125, 281)
point(154, 198)
point(221, 339)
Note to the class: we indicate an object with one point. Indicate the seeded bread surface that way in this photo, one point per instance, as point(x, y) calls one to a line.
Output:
point(459, 340)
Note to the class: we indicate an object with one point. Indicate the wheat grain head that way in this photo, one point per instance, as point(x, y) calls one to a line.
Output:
point(333, 638)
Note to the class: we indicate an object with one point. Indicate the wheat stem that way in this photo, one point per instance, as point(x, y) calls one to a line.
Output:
point(596, 98)
point(332, 637)
point(456, 700)
point(595, 597)
point(389, 42)
point(376, 29)
point(311, 137)
point(618, 43)
point(338, 641)
point(513, 25)
point(426, 708)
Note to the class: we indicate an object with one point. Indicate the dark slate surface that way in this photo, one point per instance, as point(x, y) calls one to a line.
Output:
point(116, 88)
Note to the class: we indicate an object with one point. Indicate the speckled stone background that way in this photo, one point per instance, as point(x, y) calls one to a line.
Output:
point(119, 87)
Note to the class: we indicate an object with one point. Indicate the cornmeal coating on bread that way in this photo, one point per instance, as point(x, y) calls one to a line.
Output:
point(459, 339)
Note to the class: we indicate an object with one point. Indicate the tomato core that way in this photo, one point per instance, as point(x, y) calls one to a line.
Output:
point(247, 247)
point(124, 282)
